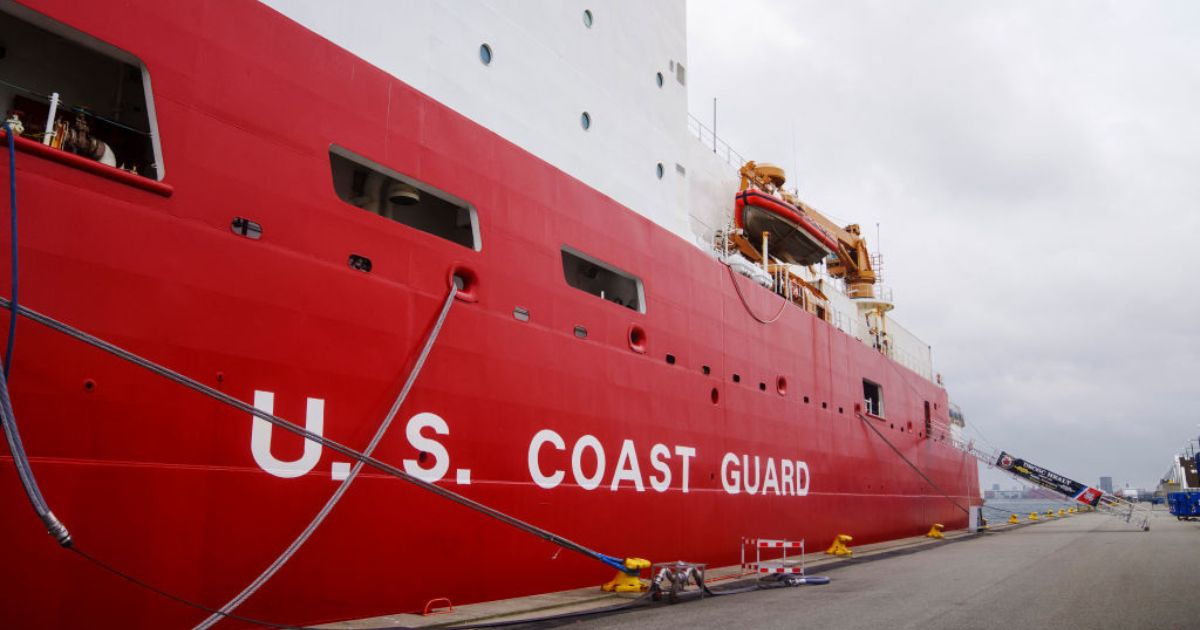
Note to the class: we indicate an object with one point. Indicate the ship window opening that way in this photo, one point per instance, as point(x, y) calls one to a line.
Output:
point(521, 314)
point(585, 121)
point(658, 78)
point(762, 387)
point(824, 405)
point(603, 280)
point(659, 170)
point(706, 370)
point(379, 190)
point(928, 420)
point(781, 386)
point(670, 359)
point(680, 74)
point(251, 230)
point(873, 397)
point(104, 110)
point(360, 263)
point(587, 18)
point(714, 396)
point(485, 54)
point(737, 378)
point(581, 332)
point(839, 410)
point(806, 400)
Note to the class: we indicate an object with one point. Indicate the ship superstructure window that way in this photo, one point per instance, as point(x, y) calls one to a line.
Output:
point(587, 18)
point(873, 397)
point(79, 93)
point(380, 190)
point(603, 280)
point(485, 54)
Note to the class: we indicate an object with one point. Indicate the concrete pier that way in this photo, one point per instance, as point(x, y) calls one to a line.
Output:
point(1082, 571)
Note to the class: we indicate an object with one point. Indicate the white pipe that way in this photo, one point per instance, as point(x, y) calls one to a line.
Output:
point(50, 119)
point(766, 256)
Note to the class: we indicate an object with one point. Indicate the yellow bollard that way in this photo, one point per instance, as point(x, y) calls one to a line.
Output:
point(1033, 516)
point(839, 548)
point(936, 531)
point(1062, 512)
point(1049, 513)
point(1070, 510)
point(627, 581)
point(1013, 520)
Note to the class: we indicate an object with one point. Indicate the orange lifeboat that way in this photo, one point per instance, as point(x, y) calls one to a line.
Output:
point(793, 237)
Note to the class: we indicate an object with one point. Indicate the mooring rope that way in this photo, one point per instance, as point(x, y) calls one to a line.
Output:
point(733, 276)
point(867, 421)
point(291, 549)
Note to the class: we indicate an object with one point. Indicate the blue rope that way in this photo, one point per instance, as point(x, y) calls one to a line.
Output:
point(12, 204)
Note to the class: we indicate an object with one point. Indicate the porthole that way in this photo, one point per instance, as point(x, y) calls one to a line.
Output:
point(485, 54)
point(658, 170)
point(714, 396)
point(658, 78)
point(585, 121)
point(587, 18)
point(781, 386)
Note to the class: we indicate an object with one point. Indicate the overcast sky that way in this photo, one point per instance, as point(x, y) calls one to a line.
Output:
point(1035, 168)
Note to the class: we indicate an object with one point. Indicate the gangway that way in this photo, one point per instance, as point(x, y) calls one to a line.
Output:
point(1022, 470)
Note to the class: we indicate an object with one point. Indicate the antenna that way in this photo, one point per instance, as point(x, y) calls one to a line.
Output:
point(714, 124)
point(795, 162)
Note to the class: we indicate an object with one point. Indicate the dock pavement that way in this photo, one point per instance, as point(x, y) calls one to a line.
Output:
point(1082, 571)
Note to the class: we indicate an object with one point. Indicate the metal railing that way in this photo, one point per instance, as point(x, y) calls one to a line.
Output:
point(711, 140)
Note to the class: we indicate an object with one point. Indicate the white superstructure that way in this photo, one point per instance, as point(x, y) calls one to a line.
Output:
point(530, 70)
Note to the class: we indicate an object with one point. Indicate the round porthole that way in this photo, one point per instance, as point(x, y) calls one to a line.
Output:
point(658, 170)
point(587, 18)
point(485, 54)
point(658, 78)
point(585, 121)
point(781, 386)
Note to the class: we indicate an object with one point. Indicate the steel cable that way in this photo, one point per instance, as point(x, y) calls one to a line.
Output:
point(291, 549)
point(733, 277)
point(867, 421)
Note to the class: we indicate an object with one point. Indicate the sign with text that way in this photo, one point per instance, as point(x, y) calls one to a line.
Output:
point(1048, 479)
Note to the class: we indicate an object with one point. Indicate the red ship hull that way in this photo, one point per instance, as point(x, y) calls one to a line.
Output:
point(161, 482)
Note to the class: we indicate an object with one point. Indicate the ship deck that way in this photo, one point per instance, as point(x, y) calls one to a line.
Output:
point(1085, 570)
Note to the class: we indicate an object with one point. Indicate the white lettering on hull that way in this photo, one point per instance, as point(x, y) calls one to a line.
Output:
point(260, 438)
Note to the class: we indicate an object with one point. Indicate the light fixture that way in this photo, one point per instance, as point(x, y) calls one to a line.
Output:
point(402, 194)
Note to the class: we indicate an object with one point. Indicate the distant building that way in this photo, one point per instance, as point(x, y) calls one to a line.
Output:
point(1106, 484)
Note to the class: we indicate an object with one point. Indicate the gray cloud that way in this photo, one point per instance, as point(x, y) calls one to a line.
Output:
point(1034, 168)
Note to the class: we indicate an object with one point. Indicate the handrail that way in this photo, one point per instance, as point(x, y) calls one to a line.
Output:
point(67, 158)
point(718, 145)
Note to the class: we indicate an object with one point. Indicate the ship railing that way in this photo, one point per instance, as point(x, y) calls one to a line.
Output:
point(709, 138)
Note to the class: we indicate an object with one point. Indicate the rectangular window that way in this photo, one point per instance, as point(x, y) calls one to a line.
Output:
point(873, 397)
point(387, 193)
point(601, 279)
point(100, 95)
point(928, 420)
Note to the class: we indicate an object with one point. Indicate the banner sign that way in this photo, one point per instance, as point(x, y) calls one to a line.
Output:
point(1050, 480)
